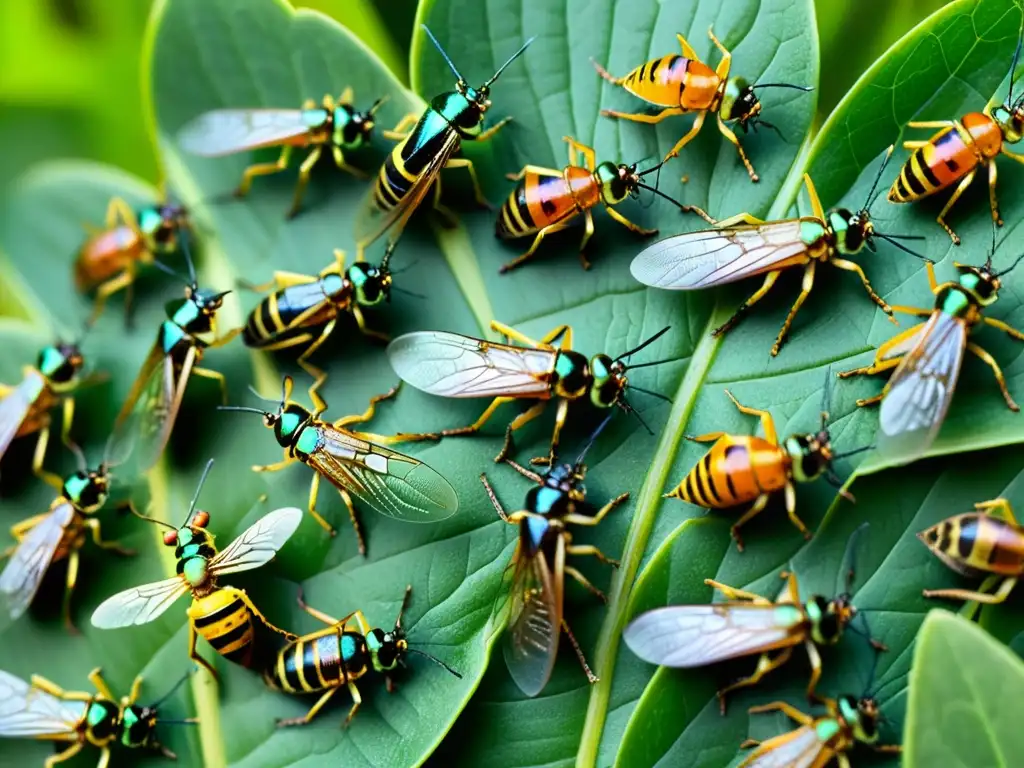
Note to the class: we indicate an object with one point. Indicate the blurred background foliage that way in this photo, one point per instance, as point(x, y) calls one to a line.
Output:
point(69, 69)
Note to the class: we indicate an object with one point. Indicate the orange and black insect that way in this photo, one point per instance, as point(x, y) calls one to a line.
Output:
point(685, 84)
point(958, 150)
point(546, 200)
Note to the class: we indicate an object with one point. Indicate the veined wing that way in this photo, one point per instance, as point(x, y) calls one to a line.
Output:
point(28, 712)
point(258, 543)
point(535, 620)
point(695, 635)
point(719, 256)
point(139, 605)
point(451, 365)
point(392, 483)
point(223, 131)
point(24, 573)
point(16, 406)
point(919, 392)
point(796, 749)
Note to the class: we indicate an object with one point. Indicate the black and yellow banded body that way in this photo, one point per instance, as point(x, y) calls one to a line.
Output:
point(432, 141)
point(291, 311)
point(539, 201)
point(675, 81)
point(322, 660)
point(225, 621)
point(736, 470)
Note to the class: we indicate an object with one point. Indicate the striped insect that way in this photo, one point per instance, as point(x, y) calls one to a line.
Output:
point(355, 463)
point(339, 656)
point(452, 365)
point(684, 84)
point(427, 143)
point(927, 359)
point(224, 616)
point(110, 259)
point(987, 543)
point(743, 246)
point(536, 586)
point(44, 711)
point(334, 125)
point(744, 469)
point(961, 147)
point(546, 200)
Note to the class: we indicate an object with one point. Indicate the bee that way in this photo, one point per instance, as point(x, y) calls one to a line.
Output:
point(339, 656)
point(428, 143)
point(334, 125)
point(224, 616)
point(743, 246)
point(685, 84)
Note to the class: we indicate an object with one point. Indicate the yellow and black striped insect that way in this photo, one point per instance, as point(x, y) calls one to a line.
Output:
point(335, 125)
point(684, 84)
point(336, 657)
point(989, 543)
point(225, 616)
point(427, 144)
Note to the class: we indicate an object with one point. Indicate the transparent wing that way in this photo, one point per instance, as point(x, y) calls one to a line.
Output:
point(796, 749)
point(392, 483)
point(715, 257)
point(695, 635)
point(920, 390)
point(223, 131)
point(28, 712)
point(258, 543)
point(139, 605)
point(451, 365)
point(24, 572)
point(16, 406)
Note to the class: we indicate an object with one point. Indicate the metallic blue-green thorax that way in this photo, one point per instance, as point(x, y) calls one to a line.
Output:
point(150, 219)
point(101, 719)
point(315, 118)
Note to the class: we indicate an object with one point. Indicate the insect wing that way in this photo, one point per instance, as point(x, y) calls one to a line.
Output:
point(695, 635)
point(797, 749)
point(29, 712)
point(715, 257)
point(451, 365)
point(139, 605)
point(535, 620)
point(259, 543)
point(392, 483)
point(223, 131)
point(919, 392)
point(16, 406)
point(24, 573)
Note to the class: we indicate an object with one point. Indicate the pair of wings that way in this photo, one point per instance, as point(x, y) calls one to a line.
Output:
point(801, 748)
point(451, 365)
point(29, 712)
point(23, 574)
point(255, 547)
point(16, 405)
point(226, 131)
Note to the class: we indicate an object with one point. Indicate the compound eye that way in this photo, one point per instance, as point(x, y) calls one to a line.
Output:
point(171, 538)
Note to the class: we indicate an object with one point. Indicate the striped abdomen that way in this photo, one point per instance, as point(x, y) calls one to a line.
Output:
point(409, 159)
point(674, 81)
point(295, 309)
point(539, 201)
point(325, 659)
point(223, 619)
point(107, 255)
point(735, 471)
point(977, 543)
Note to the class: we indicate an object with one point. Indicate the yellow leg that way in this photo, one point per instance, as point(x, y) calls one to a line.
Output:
point(932, 124)
point(403, 128)
point(108, 289)
point(642, 117)
point(998, 508)
point(814, 659)
point(590, 549)
point(726, 131)
point(576, 149)
point(537, 169)
point(561, 416)
point(914, 145)
point(585, 583)
point(493, 129)
point(731, 593)
point(765, 664)
point(698, 123)
point(314, 491)
point(588, 232)
point(808, 284)
point(318, 374)
point(993, 200)
point(791, 511)
point(767, 422)
point(537, 240)
point(67, 754)
point(354, 517)
point(119, 213)
point(308, 717)
point(629, 224)
point(479, 423)
point(277, 466)
point(981, 597)
point(133, 694)
point(851, 266)
point(591, 677)
point(339, 160)
point(207, 373)
point(300, 187)
point(759, 294)
point(371, 409)
point(1005, 327)
point(755, 509)
point(726, 55)
point(787, 709)
point(263, 169)
point(241, 594)
point(996, 371)
point(53, 480)
point(523, 418)
point(364, 329)
point(494, 499)
point(461, 162)
point(96, 678)
point(111, 546)
point(941, 218)
point(600, 514)
point(873, 400)
point(511, 334)
point(282, 279)
point(194, 654)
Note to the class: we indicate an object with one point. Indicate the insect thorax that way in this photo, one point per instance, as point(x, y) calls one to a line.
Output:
point(827, 619)
point(350, 129)
point(386, 649)
point(861, 717)
point(571, 374)
point(289, 428)
point(60, 364)
point(808, 457)
point(101, 718)
point(371, 284)
point(159, 226)
point(189, 315)
point(819, 238)
point(138, 726)
point(194, 552)
point(460, 112)
point(549, 501)
point(850, 230)
point(738, 101)
point(86, 490)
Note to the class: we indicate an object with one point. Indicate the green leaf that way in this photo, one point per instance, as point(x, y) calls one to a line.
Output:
point(957, 712)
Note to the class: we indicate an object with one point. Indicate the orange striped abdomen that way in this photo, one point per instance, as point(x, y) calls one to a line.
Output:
point(539, 201)
point(674, 81)
point(106, 255)
point(735, 471)
point(977, 542)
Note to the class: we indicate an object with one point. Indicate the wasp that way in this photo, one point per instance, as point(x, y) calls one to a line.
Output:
point(958, 150)
point(109, 260)
point(536, 619)
point(743, 246)
point(452, 365)
point(744, 469)
point(927, 359)
point(336, 125)
point(339, 656)
point(355, 463)
point(684, 84)
point(989, 542)
point(225, 616)
point(428, 143)
point(545, 200)
point(43, 710)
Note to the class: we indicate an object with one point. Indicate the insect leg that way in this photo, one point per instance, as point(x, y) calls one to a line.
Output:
point(998, 508)
point(108, 289)
point(815, 661)
point(494, 499)
point(357, 700)
point(1005, 327)
point(133, 694)
point(731, 593)
point(314, 490)
point(478, 424)
point(308, 717)
point(791, 511)
point(996, 371)
point(537, 169)
point(462, 162)
point(402, 129)
point(980, 597)
point(874, 400)
point(119, 212)
point(493, 129)
point(851, 266)
point(220, 341)
point(360, 319)
point(765, 664)
point(216, 376)
point(606, 75)
point(319, 375)
point(787, 709)
point(96, 678)
point(643, 117)
point(277, 466)
point(300, 187)
point(808, 284)
point(687, 49)
point(588, 232)
point(767, 422)
point(590, 549)
point(710, 437)
point(585, 583)
point(730, 136)
point(629, 224)
point(530, 475)
point(69, 588)
point(551, 228)
point(355, 520)
point(346, 97)
point(67, 754)
point(560, 418)
point(320, 615)
point(20, 529)
point(263, 169)
point(766, 286)
point(591, 677)
point(46, 476)
point(755, 509)
point(698, 123)
point(576, 149)
point(932, 124)
point(993, 201)
point(528, 415)
point(282, 279)
point(339, 160)
point(240, 593)
point(961, 188)
point(371, 409)
point(915, 145)
point(600, 514)
point(194, 654)
point(111, 546)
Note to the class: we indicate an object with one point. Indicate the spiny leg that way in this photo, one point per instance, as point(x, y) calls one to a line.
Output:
point(537, 240)
point(300, 187)
point(970, 595)
point(851, 266)
point(354, 517)
point(585, 583)
point(472, 428)
point(941, 218)
point(494, 499)
point(765, 664)
point(527, 473)
point(738, 315)
point(996, 371)
point(730, 136)
point(263, 169)
point(314, 491)
point(308, 717)
point(591, 677)
point(755, 509)
point(808, 284)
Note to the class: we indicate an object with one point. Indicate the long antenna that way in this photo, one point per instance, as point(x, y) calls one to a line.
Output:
point(377, 104)
point(854, 452)
point(150, 519)
point(187, 253)
point(593, 438)
point(437, 45)
point(894, 240)
point(624, 404)
point(650, 392)
point(195, 498)
point(870, 199)
point(405, 604)
point(261, 397)
point(243, 408)
point(1013, 64)
point(804, 88)
point(436, 660)
point(651, 340)
point(511, 58)
point(171, 692)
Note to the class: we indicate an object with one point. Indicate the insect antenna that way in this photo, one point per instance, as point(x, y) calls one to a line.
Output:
point(407, 292)
point(804, 88)
point(437, 45)
point(261, 397)
point(434, 659)
point(872, 196)
point(854, 452)
point(148, 519)
point(643, 344)
point(76, 449)
point(625, 405)
point(766, 124)
point(186, 251)
point(1011, 267)
point(167, 270)
point(195, 497)
point(166, 696)
point(1013, 67)
point(893, 240)
point(848, 569)
point(683, 207)
point(511, 58)
point(377, 104)
point(401, 610)
point(592, 439)
point(242, 408)
point(650, 392)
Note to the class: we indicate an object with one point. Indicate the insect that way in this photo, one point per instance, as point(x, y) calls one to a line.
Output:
point(927, 359)
point(743, 246)
point(538, 567)
point(546, 200)
point(334, 125)
point(355, 463)
point(989, 542)
point(338, 656)
point(109, 260)
point(225, 616)
point(43, 710)
point(684, 84)
point(427, 144)
point(57, 534)
point(958, 150)
point(147, 416)
point(452, 365)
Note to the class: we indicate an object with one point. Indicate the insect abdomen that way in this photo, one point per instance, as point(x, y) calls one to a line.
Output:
point(673, 81)
point(105, 255)
point(223, 619)
point(735, 471)
point(978, 542)
point(409, 158)
point(277, 314)
point(944, 160)
point(325, 659)
point(539, 201)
